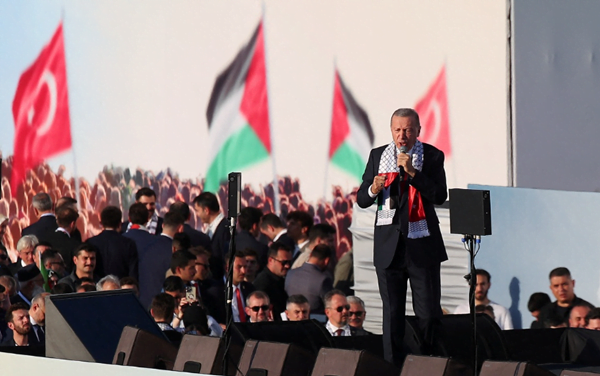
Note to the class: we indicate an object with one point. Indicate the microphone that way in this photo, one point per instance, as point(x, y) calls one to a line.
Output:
point(403, 150)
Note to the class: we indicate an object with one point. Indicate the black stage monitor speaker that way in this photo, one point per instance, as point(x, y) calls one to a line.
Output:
point(338, 362)
point(454, 338)
point(274, 359)
point(234, 194)
point(491, 368)
point(201, 354)
point(140, 348)
point(415, 365)
point(371, 343)
point(567, 372)
point(470, 212)
point(88, 326)
point(307, 334)
point(535, 345)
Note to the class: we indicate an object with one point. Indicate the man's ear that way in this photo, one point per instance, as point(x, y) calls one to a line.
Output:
point(11, 326)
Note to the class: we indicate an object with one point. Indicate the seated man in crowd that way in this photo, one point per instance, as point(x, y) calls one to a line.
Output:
point(272, 279)
point(109, 282)
point(84, 259)
point(31, 283)
point(297, 308)
point(592, 320)
point(563, 289)
point(578, 314)
point(537, 300)
point(25, 248)
point(258, 307)
point(357, 313)
point(17, 318)
point(482, 286)
point(161, 310)
point(312, 279)
point(37, 319)
point(336, 310)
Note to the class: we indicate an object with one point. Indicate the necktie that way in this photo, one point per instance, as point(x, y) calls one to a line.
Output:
point(240, 305)
point(338, 333)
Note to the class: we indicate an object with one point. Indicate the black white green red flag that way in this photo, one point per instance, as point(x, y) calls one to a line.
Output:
point(238, 114)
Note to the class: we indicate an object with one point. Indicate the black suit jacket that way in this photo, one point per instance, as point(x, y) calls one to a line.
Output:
point(274, 286)
point(197, 238)
point(64, 244)
point(219, 245)
point(245, 240)
point(116, 254)
point(154, 261)
point(311, 282)
point(44, 225)
point(431, 183)
point(285, 239)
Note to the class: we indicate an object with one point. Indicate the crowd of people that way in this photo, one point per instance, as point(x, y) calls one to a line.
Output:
point(54, 242)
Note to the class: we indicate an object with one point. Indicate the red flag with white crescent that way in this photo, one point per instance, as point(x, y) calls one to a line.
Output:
point(41, 110)
point(433, 114)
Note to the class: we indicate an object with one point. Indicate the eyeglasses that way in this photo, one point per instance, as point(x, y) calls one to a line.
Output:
point(283, 262)
point(341, 308)
point(357, 313)
point(258, 308)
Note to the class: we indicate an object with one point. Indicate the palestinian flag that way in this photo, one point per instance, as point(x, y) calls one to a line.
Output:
point(238, 114)
point(351, 132)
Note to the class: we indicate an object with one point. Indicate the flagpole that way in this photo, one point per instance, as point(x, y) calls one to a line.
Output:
point(328, 162)
point(271, 135)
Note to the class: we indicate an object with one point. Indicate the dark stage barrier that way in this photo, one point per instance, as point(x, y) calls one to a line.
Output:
point(415, 365)
point(340, 362)
point(140, 348)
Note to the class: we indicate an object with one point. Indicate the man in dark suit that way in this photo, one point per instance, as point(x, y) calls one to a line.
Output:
point(312, 279)
point(25, 248)
point(208, 210)
point(115, 253)
point(241, 288)
point(30, 284)
point(249, 230)
point(61, 239)
point(37, 318)
point(154, 223)
point(407, 241)
point(197, 238)
point(42, 208)
point(272, 279)
point(337, 310)
point(155, 260)
point(272, 227)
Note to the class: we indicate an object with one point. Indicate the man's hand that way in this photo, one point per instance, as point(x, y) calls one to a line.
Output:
point(378, 183)
point(405, 161)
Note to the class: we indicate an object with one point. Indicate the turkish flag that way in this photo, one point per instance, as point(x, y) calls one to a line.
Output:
point(41, 110)
point(433, 114)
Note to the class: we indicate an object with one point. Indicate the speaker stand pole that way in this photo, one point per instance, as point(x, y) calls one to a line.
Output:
point(229, 294)
point(472, 279)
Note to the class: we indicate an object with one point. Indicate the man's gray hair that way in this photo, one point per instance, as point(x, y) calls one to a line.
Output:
point(327, 298)
point(258, 295)
point(40, 299)
point(356, 300)
point(27, 241)
point(408, 112)
point(42, 202)
point(108, 278)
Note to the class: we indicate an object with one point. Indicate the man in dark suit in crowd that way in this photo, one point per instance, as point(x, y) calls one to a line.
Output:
point(37, 318)
point(272, 279)
point(84, 260)
point(241, 288)
point(298, 225)
point(17, 318)
point(154, 223)
point(197, 238)
point(312, 279)
point(155, 260)
point(42, 208)
point(211, 290)
point(30, 284)
point(25, 249)
point(272, 227)
point(116, 254)
point(249, 231)
point(336, 310)
point(208, 210)
point(72, 203)
point(61, 239)
point(407, 241)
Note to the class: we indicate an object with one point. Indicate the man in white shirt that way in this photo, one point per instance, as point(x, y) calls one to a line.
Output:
point(501, 314)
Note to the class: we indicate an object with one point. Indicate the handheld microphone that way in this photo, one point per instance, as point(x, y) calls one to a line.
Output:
point(403, 150)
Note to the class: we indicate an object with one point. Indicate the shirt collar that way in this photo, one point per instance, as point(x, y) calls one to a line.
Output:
point(212, 227)
point(60, 229)
point(332, 329)
point(279, 235)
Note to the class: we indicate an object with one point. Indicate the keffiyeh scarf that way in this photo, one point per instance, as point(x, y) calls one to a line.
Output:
point(388, 166)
